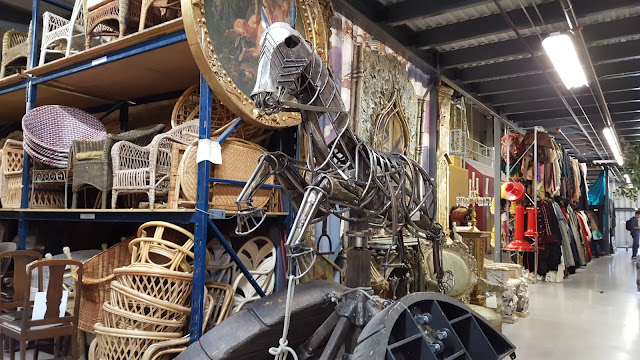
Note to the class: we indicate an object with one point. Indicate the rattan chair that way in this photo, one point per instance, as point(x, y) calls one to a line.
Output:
point(13, 297)
point(146, 169)
point(11, 174)
point(52, 325)
point(117, 17)
point(259, 257)
point(60, 35)
point(91, 160)
point(15, 46)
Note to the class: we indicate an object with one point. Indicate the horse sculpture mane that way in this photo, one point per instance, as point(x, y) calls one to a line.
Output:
point(342, 176)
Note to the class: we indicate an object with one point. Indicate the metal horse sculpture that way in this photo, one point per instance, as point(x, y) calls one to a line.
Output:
point(344, 176)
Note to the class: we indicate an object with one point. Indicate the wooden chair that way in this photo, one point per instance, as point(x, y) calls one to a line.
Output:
point(14, 298)
point(52, 325)
point(259, 256)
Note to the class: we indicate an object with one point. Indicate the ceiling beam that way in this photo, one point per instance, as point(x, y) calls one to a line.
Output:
point(619, 29)
point(533, 81)
point(618, 69)
point(621, 51)
point(492, 52)
point(547, 104)
point(500, 70)
point(620, 84)
point(408, 11)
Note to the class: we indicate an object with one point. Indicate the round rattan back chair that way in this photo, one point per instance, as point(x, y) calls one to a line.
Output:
point(259, 256)
point(187, 108)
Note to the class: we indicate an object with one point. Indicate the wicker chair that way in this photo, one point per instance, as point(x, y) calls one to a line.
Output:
point(58, 32)
point(107, 12)
point(259, 256)
point(15, 45)
point(91, 160)
point(146, 169)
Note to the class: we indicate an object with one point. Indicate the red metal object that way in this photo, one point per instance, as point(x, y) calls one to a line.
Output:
point(532, 221)
point(514, 191)
point(518, 243)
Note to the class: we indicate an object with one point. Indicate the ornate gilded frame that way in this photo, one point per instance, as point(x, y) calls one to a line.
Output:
point(315, 15)
point(455, 248)
point(383, 114)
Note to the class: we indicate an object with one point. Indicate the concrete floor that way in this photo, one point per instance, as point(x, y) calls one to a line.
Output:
point(594, 314)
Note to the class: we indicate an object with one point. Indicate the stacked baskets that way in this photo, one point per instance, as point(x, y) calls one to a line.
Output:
point(148, 299)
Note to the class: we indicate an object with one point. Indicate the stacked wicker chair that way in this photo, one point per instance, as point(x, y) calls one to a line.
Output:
point(15, 46)
point(149, 299)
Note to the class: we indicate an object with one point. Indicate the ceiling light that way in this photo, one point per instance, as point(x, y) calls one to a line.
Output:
point(627, 178)
point(610, 135)
point(564, 58)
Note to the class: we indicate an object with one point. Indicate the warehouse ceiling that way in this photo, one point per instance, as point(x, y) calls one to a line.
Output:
point(490, 50)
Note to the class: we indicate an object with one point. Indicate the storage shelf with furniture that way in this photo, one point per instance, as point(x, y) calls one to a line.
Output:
point(143, 67)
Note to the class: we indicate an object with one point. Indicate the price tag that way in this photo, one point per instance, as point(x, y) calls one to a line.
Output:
point(87, 216)
point(209, 151)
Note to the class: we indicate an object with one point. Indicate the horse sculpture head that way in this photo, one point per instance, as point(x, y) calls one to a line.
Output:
point(285, 54)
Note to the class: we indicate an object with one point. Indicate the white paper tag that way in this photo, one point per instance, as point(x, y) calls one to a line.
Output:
point(99, 61)
point(492, 302)
point(210, 151)
point(40, 305)
point(87, 216)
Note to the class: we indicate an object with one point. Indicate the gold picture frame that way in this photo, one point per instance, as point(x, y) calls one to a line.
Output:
point(314, 16)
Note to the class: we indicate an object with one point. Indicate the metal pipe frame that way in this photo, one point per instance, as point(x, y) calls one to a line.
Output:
point(497, 211)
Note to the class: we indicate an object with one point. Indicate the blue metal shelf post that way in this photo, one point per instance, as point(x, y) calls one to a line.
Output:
point(23, 225)
point(201, 217)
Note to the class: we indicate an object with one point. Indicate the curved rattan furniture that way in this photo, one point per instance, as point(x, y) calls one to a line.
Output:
point(116, 17)
point(15, 45)
point(91, 160)
point(259, 257)
point(60, 35)
point(146, 169)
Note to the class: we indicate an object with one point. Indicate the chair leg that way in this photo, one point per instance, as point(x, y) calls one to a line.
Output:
point(43, 54)
point(36, 350)
point(104, 198)
point(12, 348)
point(23, 349)
point(152, 198)
point(3, 70)
point(74, 200)
point(80, 349)
point(114, 199)
point(143, 14)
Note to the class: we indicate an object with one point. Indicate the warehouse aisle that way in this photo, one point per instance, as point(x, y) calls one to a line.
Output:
point(594, 314)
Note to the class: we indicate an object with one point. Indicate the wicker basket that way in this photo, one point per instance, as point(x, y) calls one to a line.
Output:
point(96, 280)
point(118, 344)
point(171, 286)
point(136, 302)
point(119, 319)
point(240, 159)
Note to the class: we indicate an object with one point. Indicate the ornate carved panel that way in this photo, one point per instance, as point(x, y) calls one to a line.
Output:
point(386, 108)
point(442, 172)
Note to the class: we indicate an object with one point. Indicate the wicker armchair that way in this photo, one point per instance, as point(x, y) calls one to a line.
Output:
point(91, 160)
point(107, 12)
point(146, 169)
point(15, 45)
point(60, 35)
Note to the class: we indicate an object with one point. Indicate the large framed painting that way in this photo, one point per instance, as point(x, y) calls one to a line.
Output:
point(224, 37)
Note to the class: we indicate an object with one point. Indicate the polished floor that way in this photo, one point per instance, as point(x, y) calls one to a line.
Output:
point(592, 315)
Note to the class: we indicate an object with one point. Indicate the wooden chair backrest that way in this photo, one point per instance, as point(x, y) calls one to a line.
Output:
point(21, 278)
point(57, 269)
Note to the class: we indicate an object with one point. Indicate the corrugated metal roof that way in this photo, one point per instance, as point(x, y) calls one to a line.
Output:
point(469, 13)
point(563, 26)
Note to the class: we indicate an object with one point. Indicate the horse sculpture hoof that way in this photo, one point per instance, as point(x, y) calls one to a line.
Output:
point(249, 220)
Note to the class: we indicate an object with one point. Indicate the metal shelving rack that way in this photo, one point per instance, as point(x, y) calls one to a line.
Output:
point(534, 200)
point(200, 217)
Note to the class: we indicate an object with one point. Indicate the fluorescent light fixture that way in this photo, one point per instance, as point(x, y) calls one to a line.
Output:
point(627, 178)
point(610, 135)
point(564, 58)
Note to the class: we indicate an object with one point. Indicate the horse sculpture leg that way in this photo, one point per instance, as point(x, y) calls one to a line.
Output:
point(250, 217)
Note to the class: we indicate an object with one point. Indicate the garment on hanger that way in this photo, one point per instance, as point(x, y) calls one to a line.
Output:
point(567, 239)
